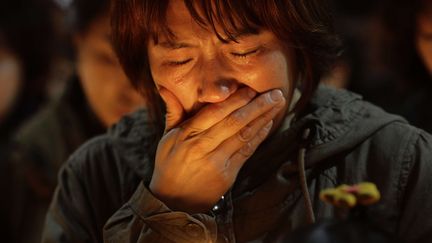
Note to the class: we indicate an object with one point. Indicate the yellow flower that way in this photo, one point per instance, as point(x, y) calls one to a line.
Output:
point(365, 193)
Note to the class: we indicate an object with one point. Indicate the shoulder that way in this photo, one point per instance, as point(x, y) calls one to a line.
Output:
point(47, 136)
point(366, 135)
point(402, 141)
point(122, 155)
point(44, 122)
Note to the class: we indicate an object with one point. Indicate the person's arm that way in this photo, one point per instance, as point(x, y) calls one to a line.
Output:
point(89, 192)
point(415, 223)
point(146, 219)
point(197, 161)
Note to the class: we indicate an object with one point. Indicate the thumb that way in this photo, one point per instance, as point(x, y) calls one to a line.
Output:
point(174, 110)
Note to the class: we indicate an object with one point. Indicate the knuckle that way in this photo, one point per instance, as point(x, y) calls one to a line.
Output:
point(173, 132)
point(198, 146)
point(216, 110)
point(268, 115)
point(183, 131)
point(245, 134)
point(188, 131)
point(247, 95)
point(262, 134)
point(236, 119)
point(262, 101)
point(227, 163)
point(247, 150)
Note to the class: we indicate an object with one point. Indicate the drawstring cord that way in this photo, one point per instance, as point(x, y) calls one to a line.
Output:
point(303, 181)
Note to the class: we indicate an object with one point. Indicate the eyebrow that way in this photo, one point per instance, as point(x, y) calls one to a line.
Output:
point(246, 32)
point(173, 45)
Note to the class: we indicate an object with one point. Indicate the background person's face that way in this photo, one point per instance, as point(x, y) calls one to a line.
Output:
point(199, 69)
point(424, 39)
point(105, 85)
point(10, 81)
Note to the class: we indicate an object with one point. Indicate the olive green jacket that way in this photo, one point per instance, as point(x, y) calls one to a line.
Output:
point(103, 193)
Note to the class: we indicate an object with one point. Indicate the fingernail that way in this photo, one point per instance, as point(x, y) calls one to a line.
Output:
point(251, 93)
point(276, 96)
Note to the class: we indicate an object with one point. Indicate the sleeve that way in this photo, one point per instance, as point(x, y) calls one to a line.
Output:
point(415, 223)
point(82, 205)
point(69, 218)
point(146, 219)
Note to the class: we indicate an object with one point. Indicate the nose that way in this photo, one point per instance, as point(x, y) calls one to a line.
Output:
point(216, 83)
point(216, 91)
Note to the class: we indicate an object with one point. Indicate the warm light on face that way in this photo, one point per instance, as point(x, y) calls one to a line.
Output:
point(10, 81)
point(199, 68)
point(107, 89)
point(424, 39)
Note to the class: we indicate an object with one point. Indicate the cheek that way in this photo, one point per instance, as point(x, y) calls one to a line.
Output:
point(272, 71)
point(100, 79)
point(177, 84)
point(10, 83)
point(424, 48)
point(99, 85)
point(92, 79)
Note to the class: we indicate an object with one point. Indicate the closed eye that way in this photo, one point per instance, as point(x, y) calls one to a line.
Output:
point(245, 54)
point(178, 63)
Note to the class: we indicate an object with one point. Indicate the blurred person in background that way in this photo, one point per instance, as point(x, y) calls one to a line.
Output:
point(28, 41)
point(96, 97)
point(388, 55)
point(406, 51)
point(26, 52)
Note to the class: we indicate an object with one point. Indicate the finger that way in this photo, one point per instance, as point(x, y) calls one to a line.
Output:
point(250, 130)
point(237, 141)
point(242, 117)
point(211, 114)
point(174, 109)
point(238, 159)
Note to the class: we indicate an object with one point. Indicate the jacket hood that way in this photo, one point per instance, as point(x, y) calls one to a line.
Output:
point(338, 120)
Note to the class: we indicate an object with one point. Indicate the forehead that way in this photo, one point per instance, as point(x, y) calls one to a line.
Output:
point(178, 13)
point(191, 21)
point(180, 21)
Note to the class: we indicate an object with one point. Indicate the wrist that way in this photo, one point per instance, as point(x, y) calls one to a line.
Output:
point(188, 204)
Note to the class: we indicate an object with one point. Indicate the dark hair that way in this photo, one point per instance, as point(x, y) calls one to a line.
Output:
point(27, 29)
point(82, 13)
point(304, 26)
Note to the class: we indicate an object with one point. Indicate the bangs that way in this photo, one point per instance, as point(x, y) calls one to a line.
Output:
point(227, 19)
point(304, 26)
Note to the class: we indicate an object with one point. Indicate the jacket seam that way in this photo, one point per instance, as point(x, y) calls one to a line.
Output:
point(406, 167)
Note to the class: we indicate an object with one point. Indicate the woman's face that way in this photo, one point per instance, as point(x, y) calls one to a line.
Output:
point(199, 69)
point(105, 85)
point(424, 39)
point(10, 81)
